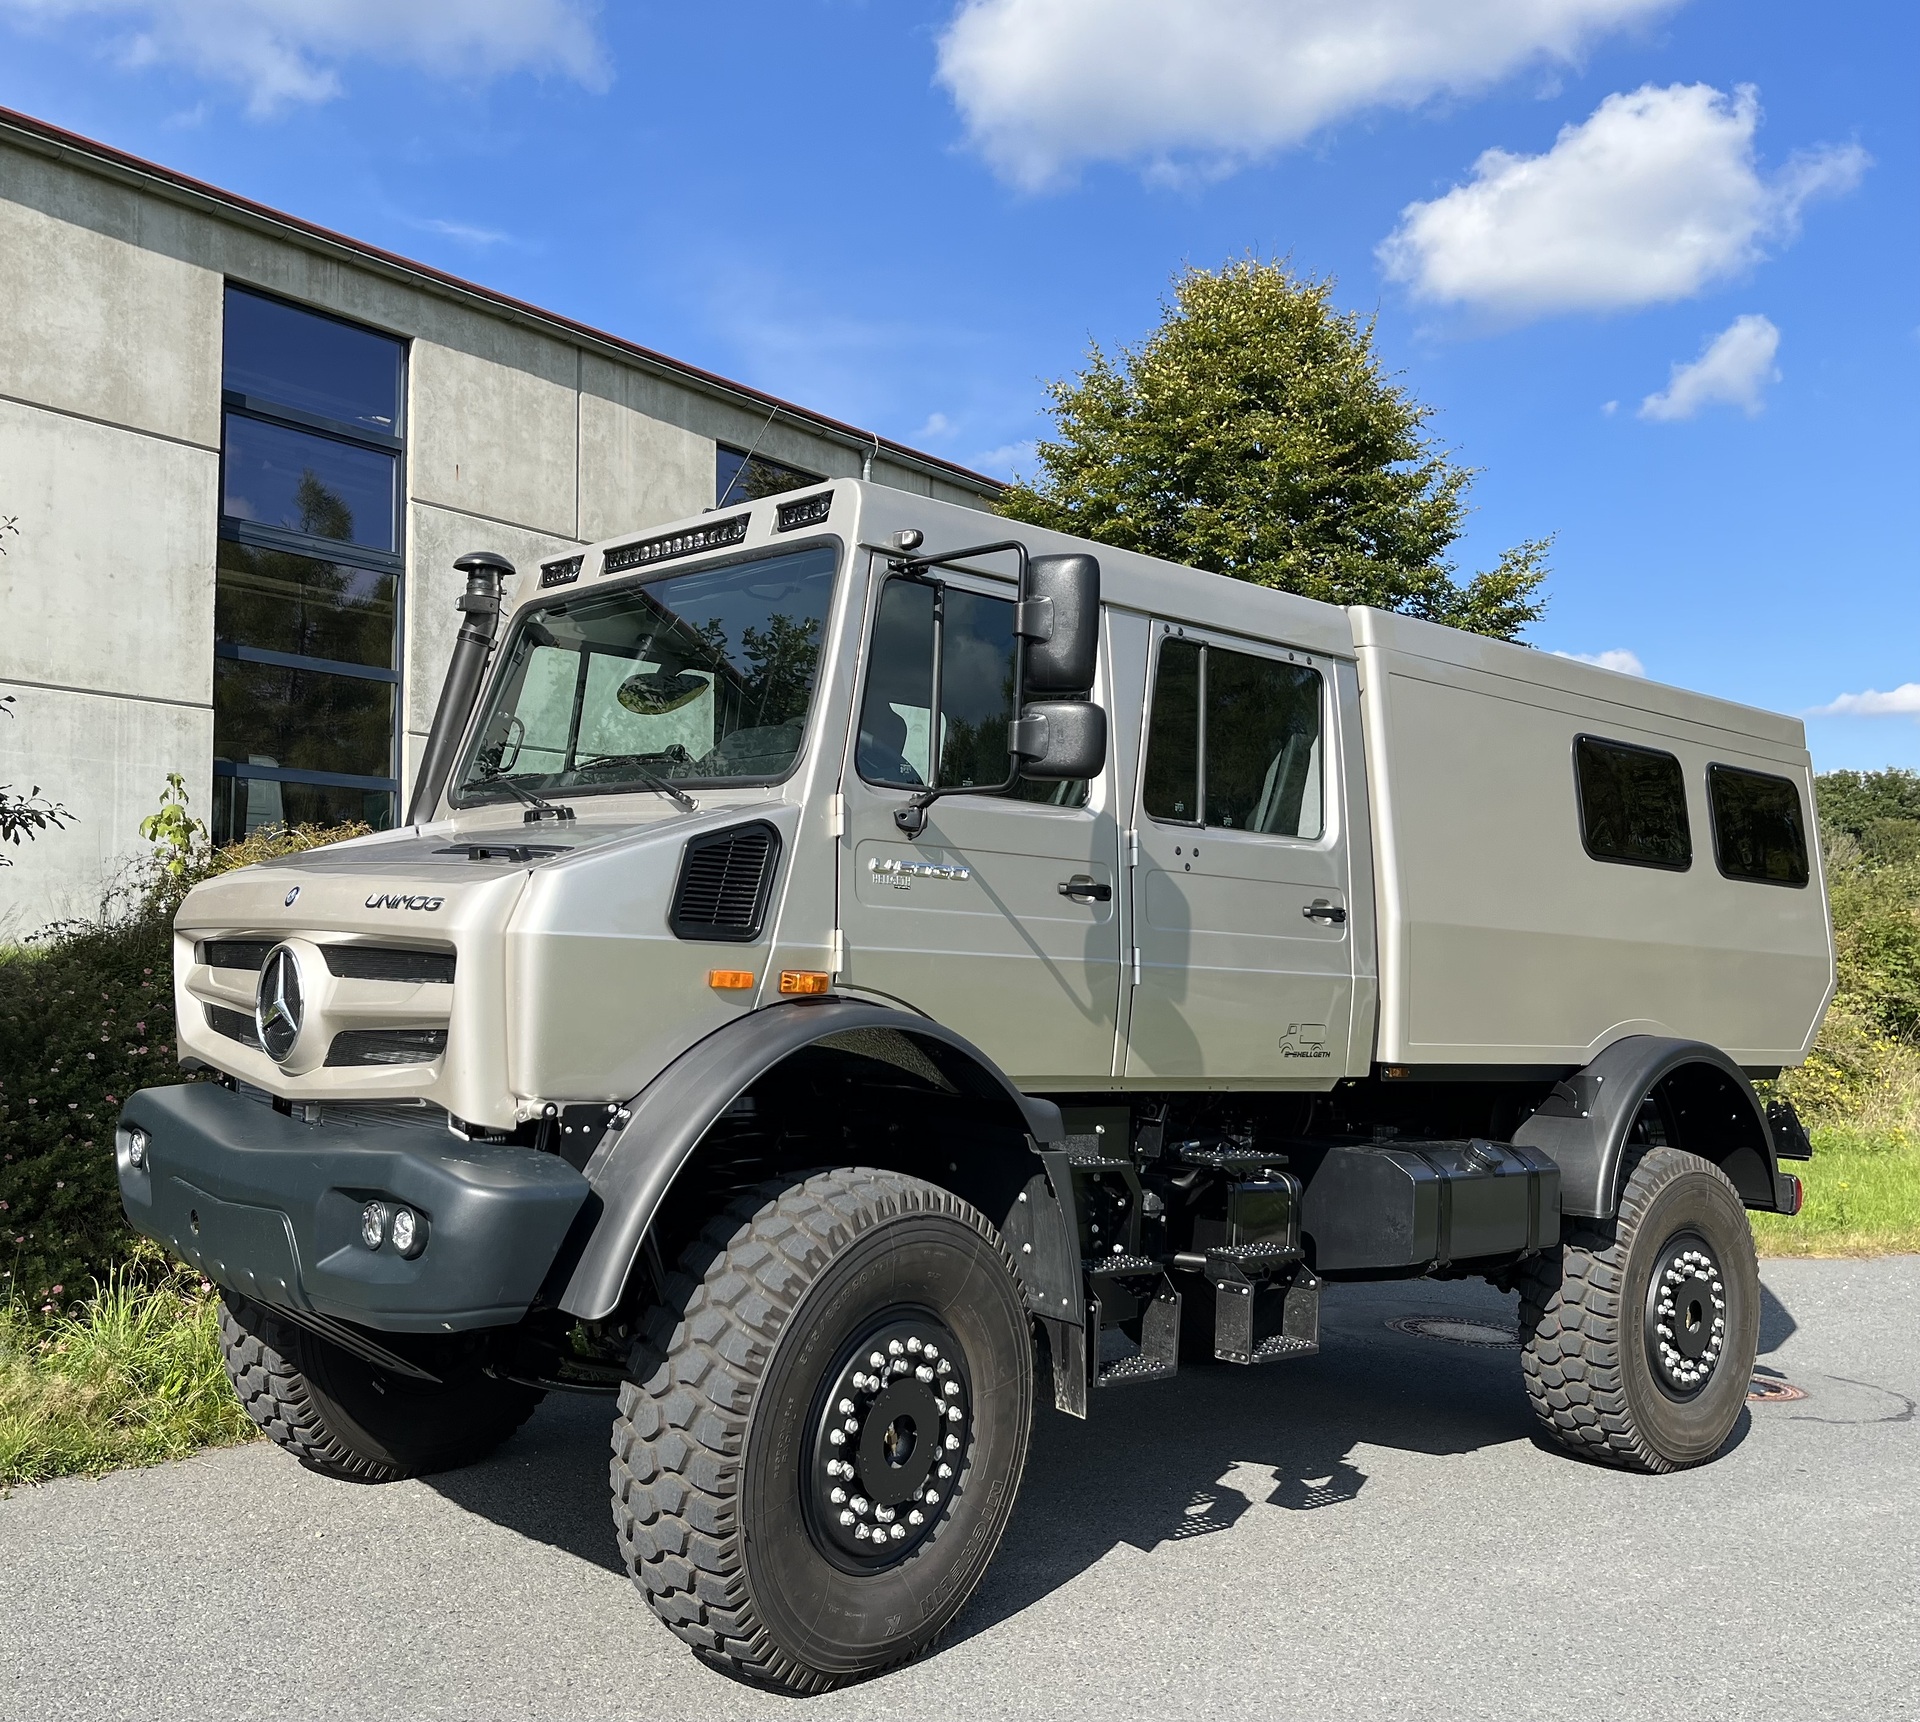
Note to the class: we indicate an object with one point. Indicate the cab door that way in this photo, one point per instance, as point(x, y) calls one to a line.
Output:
point(1243, 950)
point(1000, 920)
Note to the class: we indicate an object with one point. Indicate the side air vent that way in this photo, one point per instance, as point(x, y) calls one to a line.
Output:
point(387, 1046)
point(234, 1024)
point(388, 963)
point(234, 953)
point(725, 880)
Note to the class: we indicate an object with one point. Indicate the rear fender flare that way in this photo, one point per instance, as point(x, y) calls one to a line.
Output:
point(1584, 1123)
point(632, 1169)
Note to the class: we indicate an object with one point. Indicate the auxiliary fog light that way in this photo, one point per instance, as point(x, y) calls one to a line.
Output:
point(136, 1149)
point(409, 1232)
point(373, 1225)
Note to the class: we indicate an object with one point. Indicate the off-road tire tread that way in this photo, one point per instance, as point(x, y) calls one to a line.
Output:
point(1570, 1321)
point(680, 1431)
point(262, 1353)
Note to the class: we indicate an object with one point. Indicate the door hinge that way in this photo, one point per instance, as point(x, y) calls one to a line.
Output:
point(839, 952)
point(1133, 847)
point(836, 815)
point(1136, 965)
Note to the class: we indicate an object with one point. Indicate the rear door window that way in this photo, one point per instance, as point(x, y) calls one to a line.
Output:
point(1234, 742)
point(1633, 804)
point(1759, 831)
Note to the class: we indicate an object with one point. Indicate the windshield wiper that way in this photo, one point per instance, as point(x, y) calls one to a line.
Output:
point(648, 777)
point(538, 808)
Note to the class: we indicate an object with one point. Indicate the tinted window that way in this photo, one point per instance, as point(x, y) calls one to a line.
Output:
point(279, 602)
point(1259, 767)
point(1758, 830)
point(1633, 804)
point(265, 714)
point(309, 484)
point(976, 693)
point(295, 358)
point(742, 477)
point(242, 805)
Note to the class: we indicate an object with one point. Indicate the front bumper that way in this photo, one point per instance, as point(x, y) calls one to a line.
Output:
point(269, 1206)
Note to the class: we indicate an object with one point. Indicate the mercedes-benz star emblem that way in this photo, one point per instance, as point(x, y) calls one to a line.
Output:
point(293, 896)
point(277, 1005)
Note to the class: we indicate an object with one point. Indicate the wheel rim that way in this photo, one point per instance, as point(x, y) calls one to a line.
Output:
point(891, 1440)
point(1686, 1316)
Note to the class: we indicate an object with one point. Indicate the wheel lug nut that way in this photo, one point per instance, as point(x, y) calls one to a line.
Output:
point(953, 1443)
point(946, 1471)
point(877, 1360)
point(837, 1436)
point(898, 1532)
point(847, 1519)
point(932, 1496)
point(916, 1517)
point(923, 1373)
point(861, 1504)
point(895, 1347)
point(885, 1515)
point(943, 1365)
point(952, 1388)
point(933, 1351)
point(954, 1414)
point(861, 1532)
point(846, 1408)
point(837, 1496)
point(915, 1344)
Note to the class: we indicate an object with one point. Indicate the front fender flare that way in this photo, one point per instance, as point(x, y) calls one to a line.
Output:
point(630, 1171)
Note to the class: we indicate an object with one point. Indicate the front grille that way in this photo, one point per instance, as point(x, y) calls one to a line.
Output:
point(235, 953)
point(234, 1024)
point(388, 963)
point(725, 880)
point(386, 1046)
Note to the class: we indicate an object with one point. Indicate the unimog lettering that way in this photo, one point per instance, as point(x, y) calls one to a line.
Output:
point(956, 970)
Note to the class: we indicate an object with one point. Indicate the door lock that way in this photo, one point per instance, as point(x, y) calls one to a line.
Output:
point(1083, 888)
point(1321, 910)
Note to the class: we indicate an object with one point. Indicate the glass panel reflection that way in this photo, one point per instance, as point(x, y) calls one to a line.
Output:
point(303, 720)
point(280, 602)
point(301, 359)
point(309, 484)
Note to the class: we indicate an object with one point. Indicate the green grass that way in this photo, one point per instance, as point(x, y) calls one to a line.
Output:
point(1863, 1197)
point(130, 1376)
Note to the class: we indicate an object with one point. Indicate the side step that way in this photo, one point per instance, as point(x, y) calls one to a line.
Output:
point(1114, 1356)
point(1263, 1319)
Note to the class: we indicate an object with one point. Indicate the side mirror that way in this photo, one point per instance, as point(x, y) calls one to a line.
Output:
point(1057, 741)
point(1060, 621)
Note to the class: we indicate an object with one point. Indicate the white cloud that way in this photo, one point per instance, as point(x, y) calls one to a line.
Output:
point(1733, 370)
point(281, 51)
point(1903, 701)
point(1655, 196)
point(1014, 459)
point(937, 425)
point(1048, 85)
point(1626, 662)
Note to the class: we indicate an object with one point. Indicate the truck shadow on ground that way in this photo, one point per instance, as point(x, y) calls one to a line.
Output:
point(1153, 1465)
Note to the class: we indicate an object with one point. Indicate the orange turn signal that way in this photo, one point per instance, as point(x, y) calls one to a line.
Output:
point(730, 980)
point(804, 981)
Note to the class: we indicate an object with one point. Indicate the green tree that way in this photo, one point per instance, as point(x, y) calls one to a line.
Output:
point(1254, 433)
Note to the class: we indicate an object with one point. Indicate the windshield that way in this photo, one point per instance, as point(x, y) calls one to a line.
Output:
point(702, 678)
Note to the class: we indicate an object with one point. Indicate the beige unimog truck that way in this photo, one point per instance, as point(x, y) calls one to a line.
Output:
point(841, 979)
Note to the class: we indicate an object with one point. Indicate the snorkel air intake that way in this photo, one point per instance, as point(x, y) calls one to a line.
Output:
point(486, 572)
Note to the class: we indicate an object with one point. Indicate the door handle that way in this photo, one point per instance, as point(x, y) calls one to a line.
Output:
point(1321, 910)
point(1082, 888)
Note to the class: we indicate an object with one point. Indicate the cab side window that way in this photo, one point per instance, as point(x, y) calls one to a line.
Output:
point(1633, 804)
point(1759, 832)
point(921, 625)
point(1234, 742)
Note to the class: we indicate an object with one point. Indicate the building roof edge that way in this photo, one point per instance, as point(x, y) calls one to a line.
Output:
point(51, 139)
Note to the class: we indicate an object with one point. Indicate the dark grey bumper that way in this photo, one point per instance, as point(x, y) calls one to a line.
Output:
point(270, 1206)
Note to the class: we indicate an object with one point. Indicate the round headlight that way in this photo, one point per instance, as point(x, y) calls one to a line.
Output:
point(136, 1149)
point(373, 1225)
point(409, 1232)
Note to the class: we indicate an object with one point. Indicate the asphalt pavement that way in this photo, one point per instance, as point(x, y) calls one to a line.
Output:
point(1370, 1533)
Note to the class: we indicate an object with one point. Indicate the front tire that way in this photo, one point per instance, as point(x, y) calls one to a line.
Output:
point(825, 1428)
point(347, 1418)
point(1640, 1333)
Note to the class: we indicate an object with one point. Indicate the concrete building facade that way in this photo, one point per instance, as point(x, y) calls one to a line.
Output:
point(238, 456)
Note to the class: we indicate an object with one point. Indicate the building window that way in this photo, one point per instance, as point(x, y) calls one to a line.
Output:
point(1633, 804)
point(740, 476)
point(1759, 832)
point(307, 589)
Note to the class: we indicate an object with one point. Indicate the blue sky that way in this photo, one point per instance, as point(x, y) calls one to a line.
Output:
point(1673, 321)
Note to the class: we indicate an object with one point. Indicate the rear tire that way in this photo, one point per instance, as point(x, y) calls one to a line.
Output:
point(350, 1419)
point(756, 1400)
point(1639, 1333)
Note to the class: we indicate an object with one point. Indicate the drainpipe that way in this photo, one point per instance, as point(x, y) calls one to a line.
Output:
point(486, 574)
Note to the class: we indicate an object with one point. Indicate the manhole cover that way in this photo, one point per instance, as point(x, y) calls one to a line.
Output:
point(1456, 1331)
point(1766, 1390)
